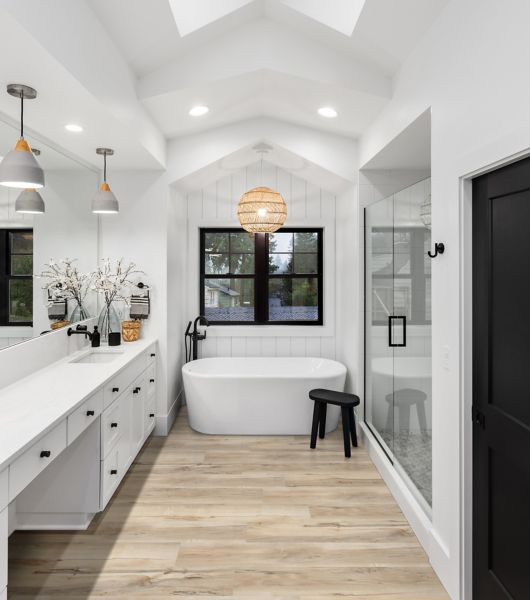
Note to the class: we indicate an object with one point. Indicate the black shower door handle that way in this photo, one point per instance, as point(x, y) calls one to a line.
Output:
point(391, 319)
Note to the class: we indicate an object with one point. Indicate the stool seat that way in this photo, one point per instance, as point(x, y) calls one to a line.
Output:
point(336, 398)
point(346, 402)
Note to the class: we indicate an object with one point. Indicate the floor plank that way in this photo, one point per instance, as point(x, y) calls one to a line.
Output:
point(234, 518)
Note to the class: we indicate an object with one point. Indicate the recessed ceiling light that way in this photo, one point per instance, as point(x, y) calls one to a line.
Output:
point(73, 128)
point(328, 112)
point(199, 111)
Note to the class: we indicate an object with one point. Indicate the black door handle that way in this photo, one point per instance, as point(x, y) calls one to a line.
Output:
point(115, 389)
point(114, 471)
point(152, 415)
point(391, 337)
point(113, 425)
point(151, 381)
point(90, 413)
point(45, 454)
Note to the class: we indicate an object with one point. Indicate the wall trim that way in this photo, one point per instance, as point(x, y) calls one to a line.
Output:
point(164, 423)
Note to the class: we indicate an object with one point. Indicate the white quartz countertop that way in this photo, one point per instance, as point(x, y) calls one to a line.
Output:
point(32, 406)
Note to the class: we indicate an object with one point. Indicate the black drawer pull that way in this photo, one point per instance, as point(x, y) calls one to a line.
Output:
point(151, 381)
point(115, 390)
point(113, 425)
point(153, 354)
point(152, 415)
point(45, 454)
point(136, 390)
point(90, 413)
point(114, 471)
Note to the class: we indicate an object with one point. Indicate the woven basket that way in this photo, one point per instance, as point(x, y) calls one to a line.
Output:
point(59, 325)
point(130, 331)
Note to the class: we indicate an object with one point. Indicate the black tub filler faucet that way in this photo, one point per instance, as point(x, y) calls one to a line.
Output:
point(195, 336)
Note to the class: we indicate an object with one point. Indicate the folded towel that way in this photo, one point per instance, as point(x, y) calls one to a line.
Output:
point(57, 310)
point(140, 307)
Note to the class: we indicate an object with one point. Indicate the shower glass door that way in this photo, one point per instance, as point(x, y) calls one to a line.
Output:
point(398, 333)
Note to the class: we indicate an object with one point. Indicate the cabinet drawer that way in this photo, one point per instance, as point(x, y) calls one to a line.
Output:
point(113, 425)
point(3, 551)
point(84, 416)
point(36, 459)
point(4, 496)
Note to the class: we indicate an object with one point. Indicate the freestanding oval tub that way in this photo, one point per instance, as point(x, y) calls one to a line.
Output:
point(258, 396)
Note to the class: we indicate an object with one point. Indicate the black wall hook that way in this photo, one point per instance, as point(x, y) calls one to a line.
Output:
point(439, 248)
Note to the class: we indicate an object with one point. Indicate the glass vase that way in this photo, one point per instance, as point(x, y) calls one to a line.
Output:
point(80, 313)
point(109, 321)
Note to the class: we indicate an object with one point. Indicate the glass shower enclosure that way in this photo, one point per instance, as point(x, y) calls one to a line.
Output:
point(398, 333)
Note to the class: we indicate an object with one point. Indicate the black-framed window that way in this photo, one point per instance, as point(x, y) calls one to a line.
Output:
point(16, 277)
point(401, 274)
point(263, 279)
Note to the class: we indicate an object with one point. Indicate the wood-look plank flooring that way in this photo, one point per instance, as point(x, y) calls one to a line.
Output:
point(237, 518)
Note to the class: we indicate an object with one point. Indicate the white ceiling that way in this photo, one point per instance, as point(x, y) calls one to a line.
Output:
point(276, 58)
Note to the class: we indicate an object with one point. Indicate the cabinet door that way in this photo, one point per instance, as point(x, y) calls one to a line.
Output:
point(137, 410)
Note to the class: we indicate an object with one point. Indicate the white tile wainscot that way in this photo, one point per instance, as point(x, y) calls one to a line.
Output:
point(68, 435)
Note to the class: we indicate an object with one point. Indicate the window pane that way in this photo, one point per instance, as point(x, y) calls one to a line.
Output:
point(281, 242)
point(280, 263)
point(382, 253)
point(382, 300)
point(20, 300)
point(22, 264)
point(305, 263)
point(216, 242)
point(306, 241)
point(216, 264)
point(242, 242)
point(241, 264)
point(21, 242)
point(293, 299)
point(229, 299)
point(402, 252)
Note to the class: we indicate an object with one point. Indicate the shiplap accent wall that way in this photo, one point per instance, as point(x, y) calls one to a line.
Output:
point(308, 206)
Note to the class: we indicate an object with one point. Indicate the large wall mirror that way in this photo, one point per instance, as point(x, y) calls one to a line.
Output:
point(30, 242)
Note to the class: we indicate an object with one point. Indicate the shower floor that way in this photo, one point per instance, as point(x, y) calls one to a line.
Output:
point(413, 451)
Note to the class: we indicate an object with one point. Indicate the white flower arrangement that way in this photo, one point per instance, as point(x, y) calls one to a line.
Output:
point(115, 282)
point(65, 281)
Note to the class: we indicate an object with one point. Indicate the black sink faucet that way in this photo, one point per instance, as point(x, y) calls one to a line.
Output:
point(80, 330)
point(195, 335)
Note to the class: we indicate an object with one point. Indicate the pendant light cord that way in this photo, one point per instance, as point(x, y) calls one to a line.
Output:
point(105, 167)
point(21, 115)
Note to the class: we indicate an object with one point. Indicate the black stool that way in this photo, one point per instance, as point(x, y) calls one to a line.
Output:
point(346, 402)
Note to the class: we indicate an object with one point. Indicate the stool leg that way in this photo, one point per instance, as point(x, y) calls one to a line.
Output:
point(314, 428)
point(353, 430)
point(422, 419)
point(346, 431)
point(322, 426)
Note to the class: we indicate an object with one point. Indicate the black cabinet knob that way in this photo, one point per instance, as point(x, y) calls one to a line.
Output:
point(153, 354)
point(115, 390)
point(90, 413)
point(152, 415)
point(45, 454)
point(151, 381)
point(114, 471)
point(113, 425)
point(136, 390)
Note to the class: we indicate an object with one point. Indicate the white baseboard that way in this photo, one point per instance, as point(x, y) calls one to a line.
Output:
point(164, 423)
point(53, 521)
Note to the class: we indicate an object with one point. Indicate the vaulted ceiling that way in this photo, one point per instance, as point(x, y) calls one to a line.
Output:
point(274, 58)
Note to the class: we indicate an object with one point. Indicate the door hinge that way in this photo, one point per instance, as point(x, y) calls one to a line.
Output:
point(479, 418)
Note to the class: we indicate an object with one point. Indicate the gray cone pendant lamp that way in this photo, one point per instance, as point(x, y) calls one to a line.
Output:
point(20, 168)
point(105, 202)
point(30, 201)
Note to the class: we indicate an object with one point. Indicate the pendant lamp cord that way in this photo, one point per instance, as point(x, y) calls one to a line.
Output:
point(105, 167)
point(21, 115)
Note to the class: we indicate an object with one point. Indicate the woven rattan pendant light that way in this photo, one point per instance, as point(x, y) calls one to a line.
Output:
point(261, 209)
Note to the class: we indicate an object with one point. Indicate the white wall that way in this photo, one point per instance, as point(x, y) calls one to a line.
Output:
point(139, 234)
point(308, 206)
point(468, 69)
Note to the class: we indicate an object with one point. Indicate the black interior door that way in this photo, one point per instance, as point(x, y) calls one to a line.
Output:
point(501, 384)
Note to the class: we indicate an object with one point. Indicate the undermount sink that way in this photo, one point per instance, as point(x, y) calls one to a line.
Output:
point(96, 358)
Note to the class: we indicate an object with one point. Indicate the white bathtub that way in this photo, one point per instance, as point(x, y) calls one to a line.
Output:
point(258, 396)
